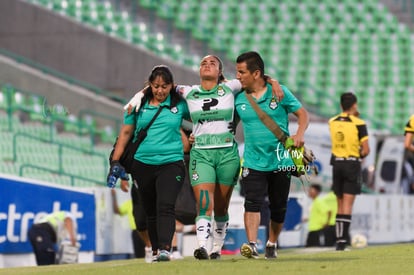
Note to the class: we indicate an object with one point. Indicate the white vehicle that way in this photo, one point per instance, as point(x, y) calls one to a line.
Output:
point(387, 169)
point(394, 167)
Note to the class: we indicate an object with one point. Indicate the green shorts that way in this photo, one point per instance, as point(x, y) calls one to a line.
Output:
point(217, 165)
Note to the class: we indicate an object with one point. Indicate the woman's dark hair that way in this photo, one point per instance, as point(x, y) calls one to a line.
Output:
point(165, 73)
point(221, 77)
point(317, 187)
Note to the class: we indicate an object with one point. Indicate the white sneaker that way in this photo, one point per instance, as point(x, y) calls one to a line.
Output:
point(148, 254)
point(164, 256)
point(176, 255)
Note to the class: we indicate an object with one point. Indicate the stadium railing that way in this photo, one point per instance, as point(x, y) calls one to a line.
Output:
point(36, 141)
point(74, 180)
point(84, 123)
point(63, 154)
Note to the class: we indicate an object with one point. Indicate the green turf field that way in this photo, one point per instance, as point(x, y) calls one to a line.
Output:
point(384, 259)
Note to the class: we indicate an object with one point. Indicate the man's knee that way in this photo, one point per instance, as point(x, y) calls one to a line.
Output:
point(253, 205)
point(278, 215)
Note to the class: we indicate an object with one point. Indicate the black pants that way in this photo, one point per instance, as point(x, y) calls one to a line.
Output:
point(315, 238)
point(323, 237)
point(158, 186)
point(43, 239)
point(330, 235)
point(138, 243)
point(257, 185)
point(140, 219)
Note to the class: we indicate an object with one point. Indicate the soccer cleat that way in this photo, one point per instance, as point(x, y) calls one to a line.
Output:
point(176, 255)
point(340, 246)
point(164, 256)
point(271, 252)
point(249, 251)
point(201, 253)
point(148, 255)
point(215, 256)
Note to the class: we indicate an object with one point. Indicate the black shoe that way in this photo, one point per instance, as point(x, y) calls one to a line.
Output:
point(215, 256)
point(201, 253)
point(340, 246)
point(270, 252)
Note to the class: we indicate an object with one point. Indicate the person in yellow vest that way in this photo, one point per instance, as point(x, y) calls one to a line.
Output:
point(49, 231)
point(319, 217)
point(409, 135)
point(407, 181)
point(140, 238)
point(329, 231)
point(349, 139)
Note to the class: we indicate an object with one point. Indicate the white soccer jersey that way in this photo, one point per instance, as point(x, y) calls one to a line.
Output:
point(211, 113)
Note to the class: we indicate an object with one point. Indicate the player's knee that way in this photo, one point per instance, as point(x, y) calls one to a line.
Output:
point(206, 204)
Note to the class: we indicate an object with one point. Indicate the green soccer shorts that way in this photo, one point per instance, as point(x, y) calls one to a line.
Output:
point(216, 165)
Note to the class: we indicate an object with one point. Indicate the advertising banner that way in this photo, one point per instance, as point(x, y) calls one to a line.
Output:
point(23, 201)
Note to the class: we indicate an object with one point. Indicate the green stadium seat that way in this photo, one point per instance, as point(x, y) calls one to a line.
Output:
point(3, 99)
point(148, 4)
point(201, 32)
point(18, 98)
point(184, 21)
point(108, 134)
point(167, 9)
point(218, 44)
point(71, 8)
point(88, 122)
point(139, 33)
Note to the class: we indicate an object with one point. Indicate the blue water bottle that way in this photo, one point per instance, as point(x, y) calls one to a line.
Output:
point(113, 177)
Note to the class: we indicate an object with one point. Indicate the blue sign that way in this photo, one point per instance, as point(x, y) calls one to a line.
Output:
point(293, 214)
point(318, 165)
point(22, 202)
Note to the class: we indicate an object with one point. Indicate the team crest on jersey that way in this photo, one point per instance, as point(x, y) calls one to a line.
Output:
point(220, 91)
point(245, 172)
point(174, 110)
point(273, 103)
point(195, 175)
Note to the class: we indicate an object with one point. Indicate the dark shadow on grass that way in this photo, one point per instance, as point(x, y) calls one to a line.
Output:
point(295, 259)
point(341, 259)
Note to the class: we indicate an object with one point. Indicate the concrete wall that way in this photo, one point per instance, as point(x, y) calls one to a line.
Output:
point(82, 52)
